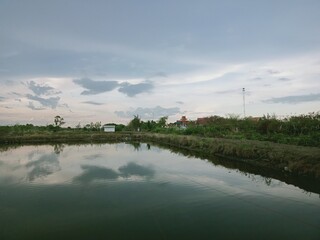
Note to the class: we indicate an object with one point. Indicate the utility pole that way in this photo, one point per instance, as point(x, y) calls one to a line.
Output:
point(244, 102)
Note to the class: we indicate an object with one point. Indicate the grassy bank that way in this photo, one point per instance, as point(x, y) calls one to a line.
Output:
point(301, 161)
point(302, 130)
point(66, 137)
point(295, 160)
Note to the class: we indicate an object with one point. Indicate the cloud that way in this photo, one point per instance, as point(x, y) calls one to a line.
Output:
point(2, 99)
point(93, 173)
point(92, 103)
point(39, 89)
point(149, 113)
point(31, 106)
point(180, 102)
point(95, 87)
point(159, 75)
point(273, 72)
point(228, 91)
point(133, 169)
point(233, 91)
point(284, 79)
point(51, 102)
point(295, 99)
point(44, 166)
point(185, 60)
point(17, 94)
point(133, 89)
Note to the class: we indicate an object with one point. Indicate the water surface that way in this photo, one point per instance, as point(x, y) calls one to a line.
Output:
point(124, 191)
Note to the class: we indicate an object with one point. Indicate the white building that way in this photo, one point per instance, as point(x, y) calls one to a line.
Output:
point(109, 128)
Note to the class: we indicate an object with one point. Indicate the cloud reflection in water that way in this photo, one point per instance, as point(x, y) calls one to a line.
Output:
point(93, 173)
point(136, 170)
point(44, 166)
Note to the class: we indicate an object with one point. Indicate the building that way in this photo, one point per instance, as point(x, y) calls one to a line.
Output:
point(183, 122)
point(109, 128)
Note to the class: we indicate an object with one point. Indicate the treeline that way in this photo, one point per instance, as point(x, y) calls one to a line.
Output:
point(20, 129)
point(298, 130)
point(136, 124)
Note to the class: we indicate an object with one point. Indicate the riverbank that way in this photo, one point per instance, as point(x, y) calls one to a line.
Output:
point(295, 160)
point(66, 137)
point(290, 159)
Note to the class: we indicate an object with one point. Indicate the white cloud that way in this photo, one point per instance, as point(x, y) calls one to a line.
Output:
point(295, 99)
point(149, 113)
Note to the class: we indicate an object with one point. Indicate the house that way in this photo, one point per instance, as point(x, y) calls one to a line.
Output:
point(182, 123)
point(109, 128)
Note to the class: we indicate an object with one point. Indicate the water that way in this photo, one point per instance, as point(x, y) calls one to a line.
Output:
point(123, 191)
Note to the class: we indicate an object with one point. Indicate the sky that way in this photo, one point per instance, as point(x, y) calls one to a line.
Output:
point(108, 60)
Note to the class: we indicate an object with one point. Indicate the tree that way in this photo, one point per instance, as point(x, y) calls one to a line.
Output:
point(78, 126)
point(58, 121)
point(149, 125)
point(92, 126)
point(135, 123)
point(162, 121)
point(97, 126)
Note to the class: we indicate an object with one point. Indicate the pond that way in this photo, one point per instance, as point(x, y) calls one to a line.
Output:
point(141, 191)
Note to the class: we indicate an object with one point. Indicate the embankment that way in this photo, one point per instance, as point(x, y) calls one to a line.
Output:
point(66, 137)
point(295, 160)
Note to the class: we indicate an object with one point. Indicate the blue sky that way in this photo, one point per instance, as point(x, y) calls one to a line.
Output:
point(109, 60)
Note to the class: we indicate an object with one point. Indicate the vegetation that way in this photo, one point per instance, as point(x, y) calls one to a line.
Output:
point(303, 130)
point(230, 137)
point(301, 161)
point(58, 121)
point(134, 124)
